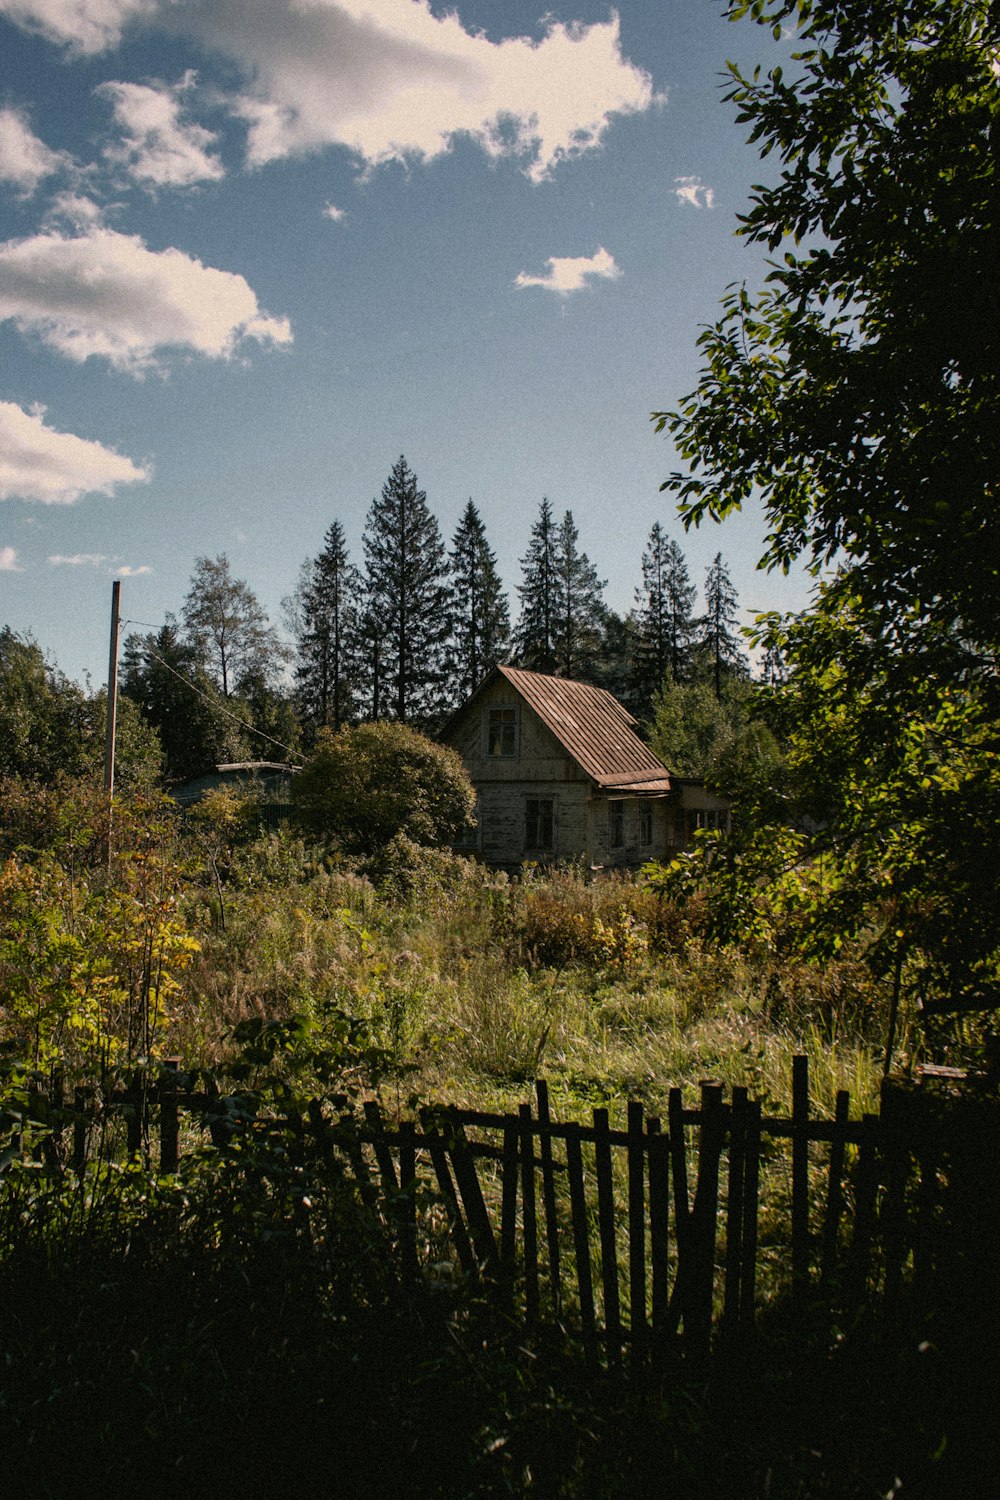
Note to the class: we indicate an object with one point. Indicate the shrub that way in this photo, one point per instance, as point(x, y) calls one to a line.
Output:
point(363, 786)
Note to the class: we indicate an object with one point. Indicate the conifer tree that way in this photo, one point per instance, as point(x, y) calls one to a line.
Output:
point(535, 634)
point(407, 594)
point(663, 614)
point(324, 615)
point(579, 611)
point(717, 638)
point(480, 612)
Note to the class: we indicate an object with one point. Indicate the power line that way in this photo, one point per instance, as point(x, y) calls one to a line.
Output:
point(212, 702)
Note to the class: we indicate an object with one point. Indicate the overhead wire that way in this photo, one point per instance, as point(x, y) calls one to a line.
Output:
point(206, 698)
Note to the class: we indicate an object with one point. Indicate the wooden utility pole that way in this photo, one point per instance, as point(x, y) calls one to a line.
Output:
point(109, 723)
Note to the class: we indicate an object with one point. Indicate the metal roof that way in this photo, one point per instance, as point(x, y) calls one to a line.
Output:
point(595, 729)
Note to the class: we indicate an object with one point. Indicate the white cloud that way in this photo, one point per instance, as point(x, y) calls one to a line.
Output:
point(24, 159)
point(392, 80)
point(693, 191)
point(570, 273)
point(74, 209)
point(128, 572)
point(388, 79)
point(158, 147)
point(333, 212)
point(77, 560)
point(105, 294)
point(8, 561)
point(56, 468)
point(81, 25)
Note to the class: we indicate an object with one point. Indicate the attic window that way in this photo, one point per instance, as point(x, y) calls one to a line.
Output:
point(501, 737)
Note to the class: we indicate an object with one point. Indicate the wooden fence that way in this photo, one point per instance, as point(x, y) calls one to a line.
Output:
point(659, 1237)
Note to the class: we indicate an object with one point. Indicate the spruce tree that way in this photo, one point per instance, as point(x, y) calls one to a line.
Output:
point(663, 615)
point(407, 595)
point(579, 609)
point(717, 639)
point(480, 612)
point(324, 615)
point(535, 634)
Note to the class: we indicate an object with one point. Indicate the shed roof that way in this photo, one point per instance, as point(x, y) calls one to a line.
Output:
point(594, 728)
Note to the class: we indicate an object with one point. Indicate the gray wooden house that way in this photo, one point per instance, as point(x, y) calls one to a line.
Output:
point(560, 774)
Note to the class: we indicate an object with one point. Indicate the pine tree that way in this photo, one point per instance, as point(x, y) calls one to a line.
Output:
point(579, 609)
point(407, 595)
point(663, 615)
point(717, 640)
point(535, 634)
point(480, 612)
point(324, 616)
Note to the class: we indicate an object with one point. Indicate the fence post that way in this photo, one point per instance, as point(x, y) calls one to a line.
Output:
point(529, 1223)
point(408, 1199)
point(606, 1225)
point(734, 1212)
point(169, 1123)
point(700, 1281)
point(581, 1242)
point(800, 1177)
point(549, 1191)
point(637, 1231)
point(659, 1233)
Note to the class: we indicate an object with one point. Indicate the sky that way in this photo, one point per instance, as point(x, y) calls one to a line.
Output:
point(251, 251)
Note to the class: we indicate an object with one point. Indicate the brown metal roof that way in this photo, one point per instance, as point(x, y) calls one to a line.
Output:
point(595, 729)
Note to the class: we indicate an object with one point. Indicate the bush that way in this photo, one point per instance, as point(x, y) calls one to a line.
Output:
point(364, 786)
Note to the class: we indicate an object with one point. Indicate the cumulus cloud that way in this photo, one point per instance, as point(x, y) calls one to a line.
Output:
point(106, 294)
point(8, 561)
point(55, 468)
point(128, 572)
point(24, 159)
point(396, 81)
point(571, 273)
point(333, 212)
point(82, 25)
point(388, 80)
point(693, 191)
point(158, 147)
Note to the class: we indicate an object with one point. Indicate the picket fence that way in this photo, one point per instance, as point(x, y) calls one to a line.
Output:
point(646, 1241)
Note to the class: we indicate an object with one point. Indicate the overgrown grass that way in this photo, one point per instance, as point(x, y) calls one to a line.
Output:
point(472, 984)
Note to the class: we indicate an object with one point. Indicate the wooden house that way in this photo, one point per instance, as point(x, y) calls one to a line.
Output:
point(270, 781)
point(560, 774)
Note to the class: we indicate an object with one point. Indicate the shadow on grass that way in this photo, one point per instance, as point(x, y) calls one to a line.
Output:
point(163, 1339)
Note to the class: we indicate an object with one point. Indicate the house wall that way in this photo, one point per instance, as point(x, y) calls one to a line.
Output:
point(541, 768)
point(633, 849)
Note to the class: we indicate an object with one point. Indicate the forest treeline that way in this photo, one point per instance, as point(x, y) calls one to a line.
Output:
point(406, 632)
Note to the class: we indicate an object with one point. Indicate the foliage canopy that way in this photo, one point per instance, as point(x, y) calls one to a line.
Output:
point(367, 784)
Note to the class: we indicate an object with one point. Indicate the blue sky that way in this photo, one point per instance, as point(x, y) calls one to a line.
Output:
point(253, 250)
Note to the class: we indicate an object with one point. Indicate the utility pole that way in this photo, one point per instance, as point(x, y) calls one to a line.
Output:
point(112, 712)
